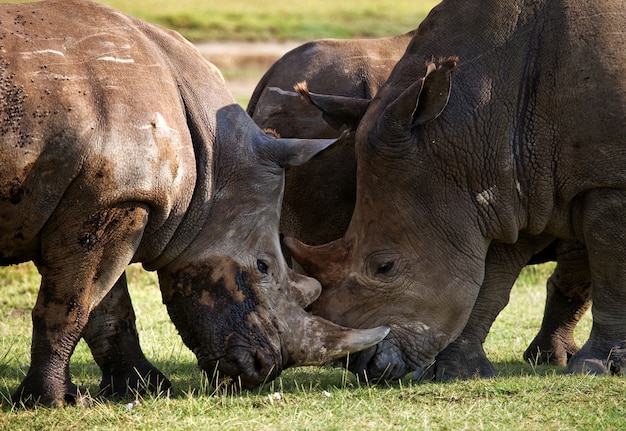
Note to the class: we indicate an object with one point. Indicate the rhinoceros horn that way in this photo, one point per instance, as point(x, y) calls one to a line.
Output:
point(326, 263)
point(334, 341)
point(316, 341)
point(320, 340)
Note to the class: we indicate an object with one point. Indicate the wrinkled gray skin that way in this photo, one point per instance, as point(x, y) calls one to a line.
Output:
point(464, 172)
point(320, 195)
point(119, 143)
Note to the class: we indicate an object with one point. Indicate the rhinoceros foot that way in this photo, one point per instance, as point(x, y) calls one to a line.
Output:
point(34, 392)
point(614, 363)
point(142, 379)
point(461, 360)
point(552, 350)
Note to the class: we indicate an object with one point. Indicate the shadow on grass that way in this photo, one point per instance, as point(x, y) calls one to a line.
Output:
point(519, 368)
point(188, 380)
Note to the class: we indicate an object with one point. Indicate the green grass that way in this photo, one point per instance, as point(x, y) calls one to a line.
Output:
point(278, 20)
point(523, 396)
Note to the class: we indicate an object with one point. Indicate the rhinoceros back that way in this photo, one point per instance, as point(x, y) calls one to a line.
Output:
point(94, 115)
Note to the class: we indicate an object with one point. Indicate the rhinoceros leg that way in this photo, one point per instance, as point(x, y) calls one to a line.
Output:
point(568, 298)
point(465, 357)
point(83, 253)
point(603, 229)
point(112, 337)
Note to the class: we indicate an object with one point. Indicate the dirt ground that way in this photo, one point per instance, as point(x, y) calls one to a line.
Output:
point(244, 63)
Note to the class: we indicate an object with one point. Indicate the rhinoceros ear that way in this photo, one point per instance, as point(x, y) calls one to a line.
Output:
point(295, 152)
point(337, 111)
point(422, 101)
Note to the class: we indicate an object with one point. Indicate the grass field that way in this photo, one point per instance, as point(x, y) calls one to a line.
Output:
point(522, 397)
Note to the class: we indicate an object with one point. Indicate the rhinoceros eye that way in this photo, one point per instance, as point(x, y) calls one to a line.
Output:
point(262, 266)
point(384, 268)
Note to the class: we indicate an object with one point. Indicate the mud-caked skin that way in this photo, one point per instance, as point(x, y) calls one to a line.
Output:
point(119, 143)
point(470, 164)
point(340, 78)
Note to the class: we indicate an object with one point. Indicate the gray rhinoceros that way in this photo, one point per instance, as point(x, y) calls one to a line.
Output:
point(320, 195)
point(465, 172)
point(119, 143)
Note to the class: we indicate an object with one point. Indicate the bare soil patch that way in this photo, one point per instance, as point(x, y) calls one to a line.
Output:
point(243, 63)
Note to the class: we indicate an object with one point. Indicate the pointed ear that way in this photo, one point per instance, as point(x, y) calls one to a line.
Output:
point(337, 111)
point(435, 93)
point(288, 152)
point(421, 102)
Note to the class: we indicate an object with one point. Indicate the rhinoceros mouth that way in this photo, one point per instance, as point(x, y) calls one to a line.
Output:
point(242, 366)
point(382, 362)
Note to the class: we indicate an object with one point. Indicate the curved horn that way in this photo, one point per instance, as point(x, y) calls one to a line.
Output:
point(327, 262)
point(307, 289)
point(337, 110)
point(322, 341)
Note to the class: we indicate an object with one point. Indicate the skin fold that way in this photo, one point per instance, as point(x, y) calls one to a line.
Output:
point(338, 79)
point(476, 155)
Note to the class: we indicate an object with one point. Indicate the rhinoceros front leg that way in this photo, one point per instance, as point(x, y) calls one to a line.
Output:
point(465, 357)
point(605, 237)
point(114, 342)
point(82, 256)
point(568, 298)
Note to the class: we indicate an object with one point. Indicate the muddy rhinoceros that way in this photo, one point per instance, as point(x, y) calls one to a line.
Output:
point(469, 165)
point(320, 195)
point(119, 143)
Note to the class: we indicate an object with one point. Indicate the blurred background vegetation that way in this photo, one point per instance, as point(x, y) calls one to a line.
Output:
point(277, 20)
point(246, 20)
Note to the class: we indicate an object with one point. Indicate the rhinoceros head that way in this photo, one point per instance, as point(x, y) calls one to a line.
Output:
point(395, 266)
point(231, 295)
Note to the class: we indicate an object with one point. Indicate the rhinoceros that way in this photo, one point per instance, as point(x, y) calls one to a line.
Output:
point(501, 130)
point(119, 143)
point(320, 195)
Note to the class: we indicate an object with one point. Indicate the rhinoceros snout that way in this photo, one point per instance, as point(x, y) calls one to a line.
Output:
point(245, 367)
point(378, 363)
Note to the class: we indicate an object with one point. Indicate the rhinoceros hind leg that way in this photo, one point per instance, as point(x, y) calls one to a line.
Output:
point(603, 230)
point(82, 255)
point(594, 360)
point(568, 298)
point(112, 337)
